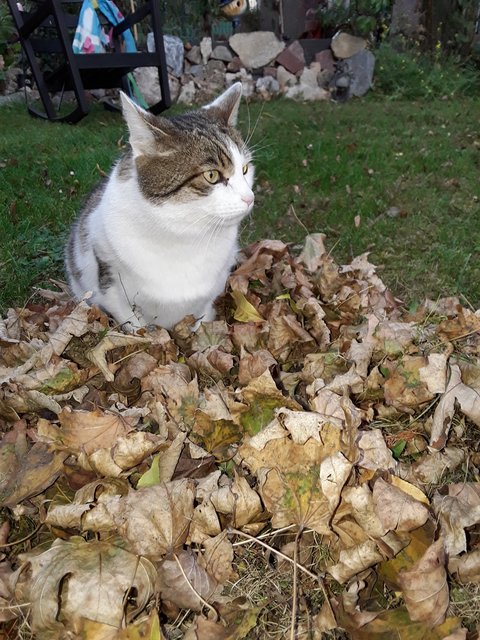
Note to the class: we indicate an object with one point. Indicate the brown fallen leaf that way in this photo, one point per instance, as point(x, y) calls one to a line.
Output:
point(35, 470)
point(355, 560)
point(467, 398)
point(76, 579)
point(397, 510)
point(457, 512)
point(425, 587)
point(154, 521)
point(303, 496)
point(466, 567)
point(186, 583)
point(112, 340)
point(238, 501)
point(85, 431)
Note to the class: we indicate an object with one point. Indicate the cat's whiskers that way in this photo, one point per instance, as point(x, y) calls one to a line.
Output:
point(215, 230)
point(251, 134)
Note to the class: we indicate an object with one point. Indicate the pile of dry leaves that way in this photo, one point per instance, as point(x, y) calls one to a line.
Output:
point(317, 435)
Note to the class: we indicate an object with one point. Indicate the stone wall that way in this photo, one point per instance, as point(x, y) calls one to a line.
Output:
point(266, 67)
point(304, 70)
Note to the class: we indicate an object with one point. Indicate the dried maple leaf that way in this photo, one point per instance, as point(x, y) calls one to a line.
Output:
point(456, 511)
point(154, 520)
point(303, 496)
point(76, 579)
point(404, 388)
point(85, 431)
point(425, 587)
point(466, 568)
point(373, 452)
point(238, 501)
point(112, 340)
point(397, 510)
point(355, 560)
point(467, 398)
point(185, 582)
point(34, 471)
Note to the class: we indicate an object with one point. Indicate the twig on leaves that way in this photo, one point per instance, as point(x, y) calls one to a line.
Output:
point(318, 578)
point(190, 585)
point(12, 544)
point(295, 595)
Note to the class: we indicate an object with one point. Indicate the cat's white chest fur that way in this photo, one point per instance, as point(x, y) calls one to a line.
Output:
point(159, 276)
point(158, 242)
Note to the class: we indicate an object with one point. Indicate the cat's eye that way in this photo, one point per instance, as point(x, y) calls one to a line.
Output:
point(212, 176)
point(245, 168)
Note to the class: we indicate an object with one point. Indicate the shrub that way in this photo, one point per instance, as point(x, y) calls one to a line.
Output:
point(413, 74)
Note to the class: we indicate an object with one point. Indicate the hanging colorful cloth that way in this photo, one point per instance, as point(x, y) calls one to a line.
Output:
point(113, 14)
point(90, 36)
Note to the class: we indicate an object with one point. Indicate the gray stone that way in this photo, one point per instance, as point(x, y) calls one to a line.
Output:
point(308, 88)
point(174, 86)
point(326, 60)
point(234, 65)
point(230, 78)
point(11, 79)
point(197, 71)
point(360, 68)
point(309, 77)
point(248, 84)
point(256, 49)
point(147, 81)
point(205, 49)
point(194, 55)
point(267, 87)
point(214, 65)
point(187, 93)
point(285, 78)
point(345, 45)
point(173, 52)
point(216, 80)
point(324, 78)
point(221, 52)
point(12, 98)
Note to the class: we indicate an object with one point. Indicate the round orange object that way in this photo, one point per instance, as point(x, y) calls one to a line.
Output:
point(234, 8)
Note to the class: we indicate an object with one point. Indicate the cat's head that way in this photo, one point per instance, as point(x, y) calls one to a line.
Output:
point(193, 165)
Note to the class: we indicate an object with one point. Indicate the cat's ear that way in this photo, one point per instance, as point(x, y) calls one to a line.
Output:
point(225, 107)
point(144, 131)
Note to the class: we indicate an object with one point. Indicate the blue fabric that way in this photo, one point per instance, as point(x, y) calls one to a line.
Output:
point(90, 37)
point(114, 16)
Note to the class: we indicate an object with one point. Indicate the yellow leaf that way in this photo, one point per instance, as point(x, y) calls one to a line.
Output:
point(409, 488)
point(244, 311)
point(152, 476)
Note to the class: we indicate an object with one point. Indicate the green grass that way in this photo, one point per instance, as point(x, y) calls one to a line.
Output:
point(318, 167)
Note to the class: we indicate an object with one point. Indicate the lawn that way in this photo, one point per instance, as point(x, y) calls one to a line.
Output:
point(398, 179)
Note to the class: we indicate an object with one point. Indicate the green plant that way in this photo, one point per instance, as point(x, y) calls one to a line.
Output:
point(368, 18)
point(7, 32)
point(189, 19)
point(413, 74)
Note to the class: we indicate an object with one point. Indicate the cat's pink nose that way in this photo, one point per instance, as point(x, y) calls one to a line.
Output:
point(248, 199)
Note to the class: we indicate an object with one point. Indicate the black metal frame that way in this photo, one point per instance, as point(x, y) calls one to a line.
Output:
point(79, 72)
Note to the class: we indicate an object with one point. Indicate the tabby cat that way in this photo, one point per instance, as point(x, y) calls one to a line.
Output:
point(156, 241)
